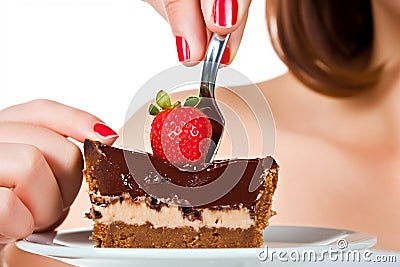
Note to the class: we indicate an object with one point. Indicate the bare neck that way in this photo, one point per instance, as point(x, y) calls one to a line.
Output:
point(386, 33)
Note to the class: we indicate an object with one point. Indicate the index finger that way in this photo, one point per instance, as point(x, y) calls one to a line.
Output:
point(60, 118)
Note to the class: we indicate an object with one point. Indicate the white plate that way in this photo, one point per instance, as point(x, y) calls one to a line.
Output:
point(74, 247)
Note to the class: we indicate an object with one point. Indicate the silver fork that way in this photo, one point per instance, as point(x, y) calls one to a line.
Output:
point(207, 102)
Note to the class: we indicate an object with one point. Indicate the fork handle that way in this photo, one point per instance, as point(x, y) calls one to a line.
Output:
point(211, 64)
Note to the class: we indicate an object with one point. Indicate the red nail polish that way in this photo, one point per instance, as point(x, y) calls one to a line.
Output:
point(226, 56)
point(182, 48)
point(225, 13)
point(104, 131)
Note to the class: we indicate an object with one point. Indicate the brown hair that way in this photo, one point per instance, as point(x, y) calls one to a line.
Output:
point(327, 44)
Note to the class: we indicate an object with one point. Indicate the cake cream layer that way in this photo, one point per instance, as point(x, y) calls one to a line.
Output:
point(140, 213)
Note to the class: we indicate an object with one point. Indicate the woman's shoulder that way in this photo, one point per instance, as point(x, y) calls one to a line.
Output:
point(287, 98)
point(284, 88)
point(280, 81)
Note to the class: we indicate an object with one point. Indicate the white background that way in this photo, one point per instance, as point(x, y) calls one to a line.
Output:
point(95, 54)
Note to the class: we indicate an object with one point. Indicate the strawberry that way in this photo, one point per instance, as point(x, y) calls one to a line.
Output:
point(179, 134)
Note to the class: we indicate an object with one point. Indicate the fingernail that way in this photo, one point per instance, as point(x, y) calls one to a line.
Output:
point(182, 48)
point(225, 13)
point(226, 56)
point(104, 131)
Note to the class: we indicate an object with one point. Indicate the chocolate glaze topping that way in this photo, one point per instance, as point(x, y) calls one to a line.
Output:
point(224, 184)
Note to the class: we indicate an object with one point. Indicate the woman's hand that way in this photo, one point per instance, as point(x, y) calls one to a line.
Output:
point(192, 22)
point(40, 169)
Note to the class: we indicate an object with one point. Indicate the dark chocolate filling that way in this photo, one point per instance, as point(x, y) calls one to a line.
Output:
point(191, 214)
point(138, 173)
point(154, 203)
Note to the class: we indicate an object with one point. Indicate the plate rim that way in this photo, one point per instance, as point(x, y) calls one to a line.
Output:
point(58, 250)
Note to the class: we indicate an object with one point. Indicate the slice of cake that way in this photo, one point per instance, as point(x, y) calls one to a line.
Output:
point(142, 201)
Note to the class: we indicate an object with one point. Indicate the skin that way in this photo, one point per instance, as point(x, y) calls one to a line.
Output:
point(36, 157)
point(339, 157)
point(193, 20)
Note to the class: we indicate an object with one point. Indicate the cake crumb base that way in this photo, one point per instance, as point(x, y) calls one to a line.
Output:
point(121, 235)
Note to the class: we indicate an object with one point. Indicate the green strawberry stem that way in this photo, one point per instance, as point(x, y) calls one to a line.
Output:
point(153, 110)
point(191, 101)
point(164, 102)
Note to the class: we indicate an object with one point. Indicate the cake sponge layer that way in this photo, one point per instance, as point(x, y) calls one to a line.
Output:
point(122, 235)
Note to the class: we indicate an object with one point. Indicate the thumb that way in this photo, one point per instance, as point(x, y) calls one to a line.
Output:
point(225, 16)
